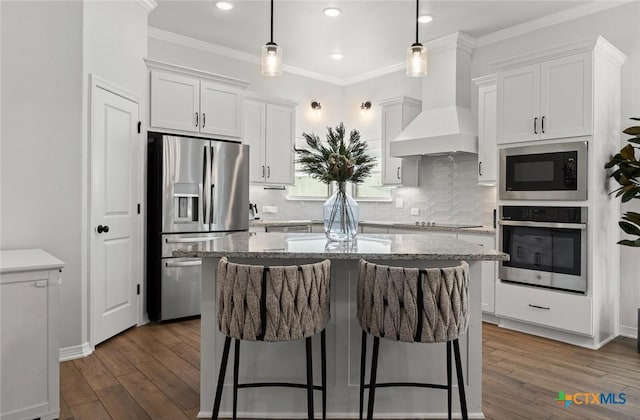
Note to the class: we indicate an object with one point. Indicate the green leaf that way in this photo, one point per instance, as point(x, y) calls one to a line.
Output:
point(635, 140)
point(630, 193)
point(632, 217)
point(632, 131)
point(627, 242)
point(629, 228)
point(627, 152)
point(634, 118)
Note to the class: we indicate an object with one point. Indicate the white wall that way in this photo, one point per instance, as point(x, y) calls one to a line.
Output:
point(620, 27)
point(40, 169)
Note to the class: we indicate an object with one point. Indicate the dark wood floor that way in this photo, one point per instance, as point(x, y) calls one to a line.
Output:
point(152, 373)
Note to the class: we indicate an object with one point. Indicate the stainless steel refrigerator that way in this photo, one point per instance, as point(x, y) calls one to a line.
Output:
point(197, 189)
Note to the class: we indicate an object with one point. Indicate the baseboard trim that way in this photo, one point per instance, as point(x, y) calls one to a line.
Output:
point(627, 331)
point(75, 352)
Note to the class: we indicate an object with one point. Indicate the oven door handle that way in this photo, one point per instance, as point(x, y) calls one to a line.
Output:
point(581, 226)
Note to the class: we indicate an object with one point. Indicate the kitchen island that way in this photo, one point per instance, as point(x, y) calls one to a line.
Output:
point(286, 362)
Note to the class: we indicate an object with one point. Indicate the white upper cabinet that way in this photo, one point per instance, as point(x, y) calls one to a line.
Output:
point(221, 110)
point(269, 130)
point(175, 101)
point(487, 147)
point(396, 114)
point(188, 101)
point(546, 100)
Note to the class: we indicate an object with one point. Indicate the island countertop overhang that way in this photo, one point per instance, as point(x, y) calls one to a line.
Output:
point(313, 245)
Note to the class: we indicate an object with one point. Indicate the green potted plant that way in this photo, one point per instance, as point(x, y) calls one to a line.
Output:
point(627, 174)
point(339, 161)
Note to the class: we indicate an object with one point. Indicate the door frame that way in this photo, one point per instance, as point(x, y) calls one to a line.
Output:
point(96, 82)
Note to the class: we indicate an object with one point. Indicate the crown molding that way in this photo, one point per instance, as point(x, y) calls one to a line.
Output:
point(260, 97)
point(457, 40)
point(483, 81)
point(549, 20)
point(400, 99)
point(189, 42)
point(598, 44)
point(218, 78)
point(373, 74)
point(149, 5)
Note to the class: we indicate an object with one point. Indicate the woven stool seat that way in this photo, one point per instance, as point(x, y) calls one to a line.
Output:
point(413, 305)
point(273, 303)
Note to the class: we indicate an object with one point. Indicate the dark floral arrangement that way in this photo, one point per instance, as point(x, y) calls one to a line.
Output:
point(339, 160)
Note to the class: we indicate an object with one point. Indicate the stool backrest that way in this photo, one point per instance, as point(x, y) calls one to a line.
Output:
point(272, 303)
point(413, 305)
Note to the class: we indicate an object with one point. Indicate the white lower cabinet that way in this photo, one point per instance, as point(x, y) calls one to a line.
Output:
point(29, 360)
point(489, 270)
point(548, 308)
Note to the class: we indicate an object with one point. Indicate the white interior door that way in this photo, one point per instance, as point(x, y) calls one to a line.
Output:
point(115, 252)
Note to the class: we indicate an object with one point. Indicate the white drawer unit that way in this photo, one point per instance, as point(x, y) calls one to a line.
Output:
point(562, 311)
point(29, 292)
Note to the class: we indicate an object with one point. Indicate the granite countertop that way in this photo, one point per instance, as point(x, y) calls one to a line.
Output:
point(484, 230)
point(313, 245)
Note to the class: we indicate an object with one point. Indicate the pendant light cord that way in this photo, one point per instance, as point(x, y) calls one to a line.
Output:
point(417, 15)
point(272, 22)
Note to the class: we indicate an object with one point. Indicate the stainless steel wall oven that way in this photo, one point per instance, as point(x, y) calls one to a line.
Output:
point(547, 245)
point(544, 172)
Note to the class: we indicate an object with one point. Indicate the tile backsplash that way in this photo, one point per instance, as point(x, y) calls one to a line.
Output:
point(447, 192)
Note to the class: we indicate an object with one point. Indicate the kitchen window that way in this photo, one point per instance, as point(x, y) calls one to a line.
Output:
point(305, 187)
point(372, 189)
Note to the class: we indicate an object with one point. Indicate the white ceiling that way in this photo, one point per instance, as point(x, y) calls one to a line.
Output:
point(371, 34)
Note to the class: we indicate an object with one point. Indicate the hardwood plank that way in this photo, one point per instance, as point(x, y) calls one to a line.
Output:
point(95, 373)
point(187, 352)
point(73, 387)
point(130, 349)
point(172, 386)
point(109, 353)
point(92, 410)
point(120, 404)
point(65, 413)
point(156, 404)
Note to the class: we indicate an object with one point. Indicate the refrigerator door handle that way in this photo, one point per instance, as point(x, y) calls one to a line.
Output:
point(183, 263)
point(211, 186)
point(205, 182)
point(189, 240)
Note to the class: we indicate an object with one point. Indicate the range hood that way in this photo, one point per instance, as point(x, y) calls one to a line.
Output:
point(446, 124)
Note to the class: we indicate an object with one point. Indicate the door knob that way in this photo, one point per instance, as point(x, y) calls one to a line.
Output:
point(104, 229)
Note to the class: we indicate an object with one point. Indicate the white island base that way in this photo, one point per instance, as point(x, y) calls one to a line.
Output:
point(285, 361)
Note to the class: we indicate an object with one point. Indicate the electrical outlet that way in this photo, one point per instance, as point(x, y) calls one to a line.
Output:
point(269, 209)
point(415, 211)
point(399, 203)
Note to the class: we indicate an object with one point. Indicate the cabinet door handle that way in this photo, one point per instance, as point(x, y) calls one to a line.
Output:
point(398, 172)
point(479, 168)
point(536, 259)
point(204, 119)
point(546, 308)
point(543, 124)
point(535, 125)
point(268, 171)
point(196, 119)
point(41, 283)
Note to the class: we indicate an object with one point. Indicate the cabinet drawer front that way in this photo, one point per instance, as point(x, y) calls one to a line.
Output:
point(552, 309)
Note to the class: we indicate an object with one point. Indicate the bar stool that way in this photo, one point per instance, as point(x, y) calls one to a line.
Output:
point(277, 303)
point(412, 305)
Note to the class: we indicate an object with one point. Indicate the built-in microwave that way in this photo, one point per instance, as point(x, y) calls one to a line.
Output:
point(544, 172)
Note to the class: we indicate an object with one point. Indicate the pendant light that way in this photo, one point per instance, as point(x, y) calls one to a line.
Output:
point(271, 55)
point(417, 53)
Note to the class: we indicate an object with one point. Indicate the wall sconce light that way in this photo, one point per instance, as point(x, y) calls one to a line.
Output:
point(316, 105)
point(365, 106)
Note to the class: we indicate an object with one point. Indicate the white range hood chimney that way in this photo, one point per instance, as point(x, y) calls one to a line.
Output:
point(446, 124)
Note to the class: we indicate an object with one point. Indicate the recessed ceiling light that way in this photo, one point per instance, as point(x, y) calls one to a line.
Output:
point(332, 11)
point(337, 56)
point(224, 5)
point(425, 18)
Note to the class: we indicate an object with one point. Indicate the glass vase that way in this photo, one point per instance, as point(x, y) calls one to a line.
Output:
point(340, 215)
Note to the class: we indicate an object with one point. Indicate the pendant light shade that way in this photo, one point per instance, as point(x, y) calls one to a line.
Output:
point(417, 53)
point(271, 55)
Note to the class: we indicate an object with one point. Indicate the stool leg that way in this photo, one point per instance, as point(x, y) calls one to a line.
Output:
point(363, 364)
point(309, 378)
point(463, 399)
point(323, 355)
point(221, 373)
point(448, 343)
point(236, 366)
point(372, 379)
